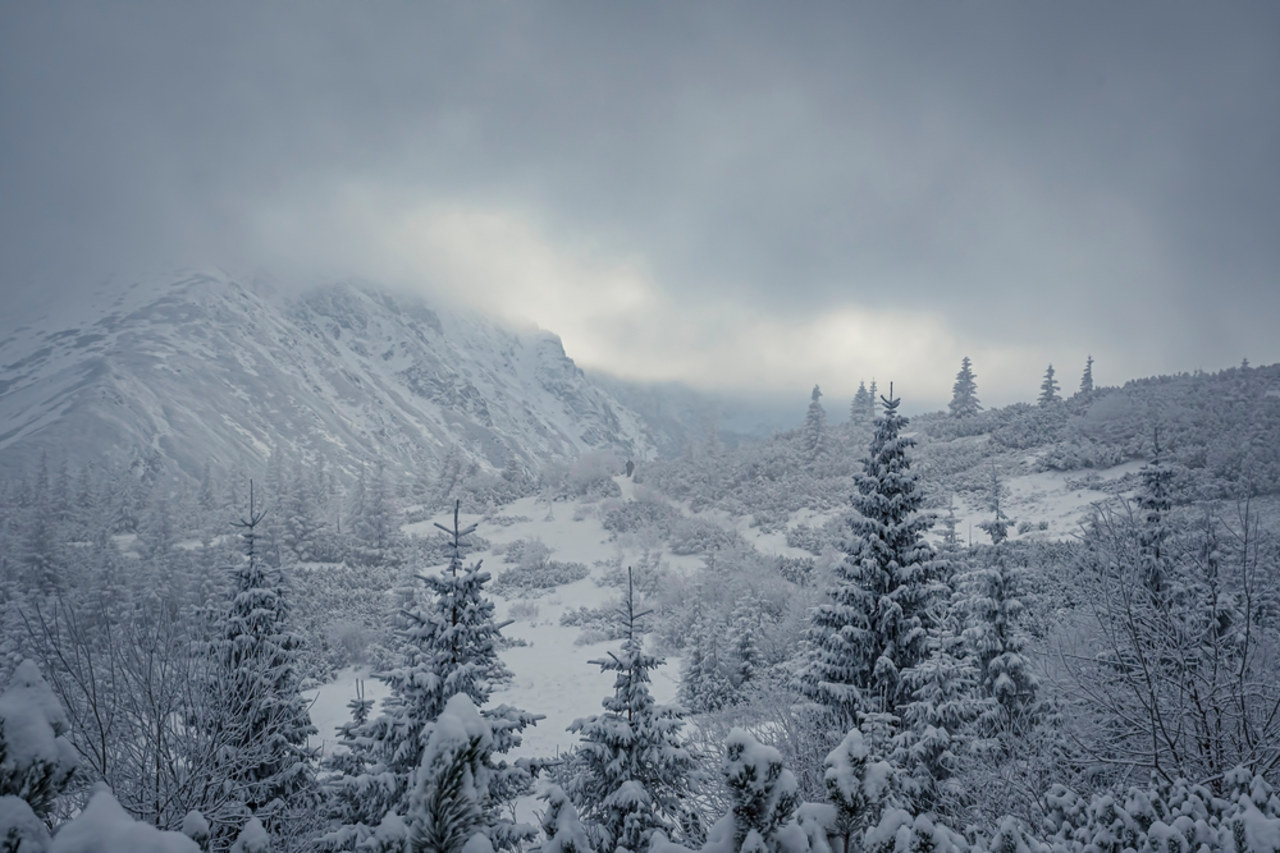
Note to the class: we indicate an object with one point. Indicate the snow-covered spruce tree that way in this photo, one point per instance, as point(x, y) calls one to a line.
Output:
point(1086, 378)
point(861, 407)
point(1155, 503)
point(450, 810)
point(934, 744)
point(964, 393)
point(254, 708)
point(885, 595)
point(745, 627)
point(710, 679)
point(631, 774)
point(815, 426)
point(992, 605)
point(448, 646)
point(1048, 388)
point(39, 539)
point(36, 759)
point(561, 825)
point(860, 788)
point(998, 526)
point(763, 796)
point(302, 522)
point(374, 538)
point(949, 546)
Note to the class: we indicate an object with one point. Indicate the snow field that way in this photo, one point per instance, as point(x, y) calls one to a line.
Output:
point(553, 675)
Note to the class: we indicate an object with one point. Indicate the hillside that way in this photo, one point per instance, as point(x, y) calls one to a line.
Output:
point(206, 369)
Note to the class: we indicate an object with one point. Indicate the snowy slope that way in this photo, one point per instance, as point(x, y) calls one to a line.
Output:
point(208, 367)
point(554, 675)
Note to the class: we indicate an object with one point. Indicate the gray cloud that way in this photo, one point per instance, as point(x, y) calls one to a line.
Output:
point(1044, 180)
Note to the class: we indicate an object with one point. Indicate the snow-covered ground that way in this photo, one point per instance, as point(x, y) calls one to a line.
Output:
point(1059, 499)
point(554, 675)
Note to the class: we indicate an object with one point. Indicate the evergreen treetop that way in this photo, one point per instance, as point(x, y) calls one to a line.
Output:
point(861, 407)
point(1086, 379)
point(815, 423)
point(1049, 388)
point(964, 393)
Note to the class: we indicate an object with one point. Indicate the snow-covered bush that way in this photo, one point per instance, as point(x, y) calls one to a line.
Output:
point(1243, 815)
point(641, 514)
point(36, 759)
point(533, 580)
point(700, 536)
point(104, 827)
point(764, 799)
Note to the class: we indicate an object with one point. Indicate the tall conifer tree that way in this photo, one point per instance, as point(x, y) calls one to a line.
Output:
point(255, 707)
point(880, 607)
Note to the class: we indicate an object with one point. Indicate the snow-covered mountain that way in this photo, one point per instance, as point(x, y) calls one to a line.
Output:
point(208, 368)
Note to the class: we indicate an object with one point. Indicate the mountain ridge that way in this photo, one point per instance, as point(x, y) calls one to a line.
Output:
point(205, 366)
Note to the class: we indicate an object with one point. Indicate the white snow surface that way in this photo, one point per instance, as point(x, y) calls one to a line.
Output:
point(553, 675)
point(105, 827)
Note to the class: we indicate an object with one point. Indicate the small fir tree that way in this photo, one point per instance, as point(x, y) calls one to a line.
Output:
point(631, 774)
point(449, 646)
point(949, 546)
point(764, 797)
point(964, 393)
point(1155, 502)
point(1049, 388)
point(815, 425)
point(998, 526)
point(861, 407)
point(743, 631)
point(1086, 380)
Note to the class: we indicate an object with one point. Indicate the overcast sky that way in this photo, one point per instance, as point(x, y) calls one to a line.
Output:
point(738, 195)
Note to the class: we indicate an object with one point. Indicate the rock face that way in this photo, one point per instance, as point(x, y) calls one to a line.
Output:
point(209, 369)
